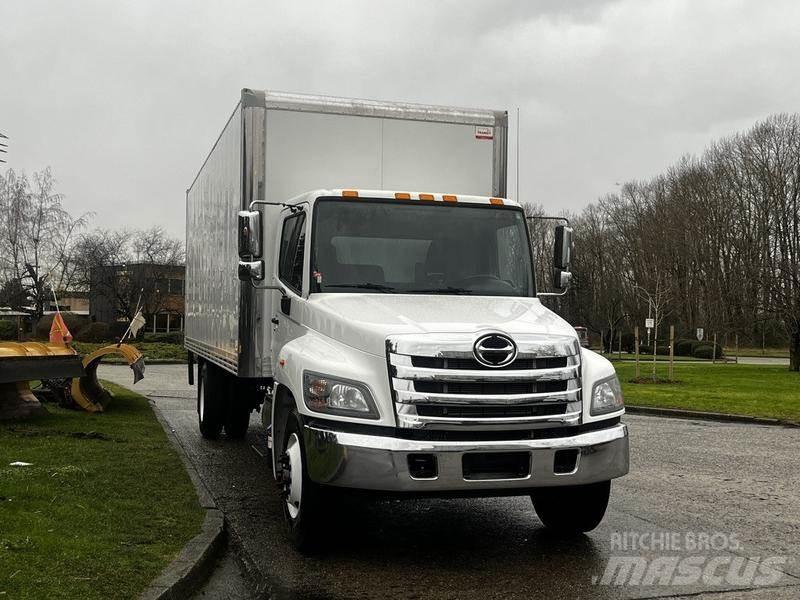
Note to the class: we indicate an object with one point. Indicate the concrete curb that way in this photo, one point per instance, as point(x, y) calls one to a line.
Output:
point(679, 413)
point(187, 573)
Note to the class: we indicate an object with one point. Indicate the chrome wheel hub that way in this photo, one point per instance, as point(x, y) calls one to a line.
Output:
point(293, 476)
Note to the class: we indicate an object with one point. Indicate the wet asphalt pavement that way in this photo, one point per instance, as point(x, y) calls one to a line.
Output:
point(688, 478)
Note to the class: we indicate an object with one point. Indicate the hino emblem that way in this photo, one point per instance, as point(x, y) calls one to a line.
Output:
point(495, 350)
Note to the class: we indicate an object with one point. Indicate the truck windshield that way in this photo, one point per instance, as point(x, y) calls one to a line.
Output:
point(375, 246)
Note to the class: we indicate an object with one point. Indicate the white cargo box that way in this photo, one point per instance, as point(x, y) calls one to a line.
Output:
point(276, 146)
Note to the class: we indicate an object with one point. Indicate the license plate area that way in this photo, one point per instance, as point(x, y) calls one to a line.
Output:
point(482, 466)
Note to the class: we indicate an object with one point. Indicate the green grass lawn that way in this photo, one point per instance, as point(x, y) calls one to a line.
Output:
point(151, 351)
point(104, 507)
point(755, 390)
point(648, 358)
point(769, 352)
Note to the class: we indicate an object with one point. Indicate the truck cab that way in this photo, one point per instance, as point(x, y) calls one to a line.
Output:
point(405, 350)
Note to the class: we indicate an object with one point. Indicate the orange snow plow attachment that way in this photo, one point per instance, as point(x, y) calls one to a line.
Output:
point(21, 363)
point(87, 392)
point(63, 375)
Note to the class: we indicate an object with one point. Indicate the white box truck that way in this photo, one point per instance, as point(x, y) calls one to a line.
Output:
point(355, 273)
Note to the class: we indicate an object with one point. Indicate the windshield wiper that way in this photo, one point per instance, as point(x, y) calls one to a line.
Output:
point(441, 290)
point(364, 286)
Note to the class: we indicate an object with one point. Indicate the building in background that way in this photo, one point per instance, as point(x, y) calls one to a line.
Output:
point(74, 301)
point(116, 290)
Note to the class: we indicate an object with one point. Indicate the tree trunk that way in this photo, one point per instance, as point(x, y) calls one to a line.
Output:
point(794, 350)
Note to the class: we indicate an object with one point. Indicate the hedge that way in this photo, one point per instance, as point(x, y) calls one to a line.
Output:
point(8, 330)
point(93, 332)
point(75, 323)
point(173, 337)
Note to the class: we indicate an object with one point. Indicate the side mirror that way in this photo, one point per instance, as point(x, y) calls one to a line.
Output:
point(249, 235)
point(251, 270)
point(562, 257)
point(562, 249)
point(561, 279)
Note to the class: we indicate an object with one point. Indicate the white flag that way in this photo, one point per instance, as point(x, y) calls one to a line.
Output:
point(137, 323)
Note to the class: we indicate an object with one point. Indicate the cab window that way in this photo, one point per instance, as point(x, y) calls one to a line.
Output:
point(290, 263)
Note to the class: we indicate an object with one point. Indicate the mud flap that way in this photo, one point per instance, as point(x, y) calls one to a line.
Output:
point(87, 392)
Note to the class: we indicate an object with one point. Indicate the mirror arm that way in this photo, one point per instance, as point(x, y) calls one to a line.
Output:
point(561, 293)
point(565, 219)
point(280, 288)
point(292, 207)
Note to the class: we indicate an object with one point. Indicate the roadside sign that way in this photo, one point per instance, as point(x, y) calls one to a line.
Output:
point(649, 323)
point(699, 334)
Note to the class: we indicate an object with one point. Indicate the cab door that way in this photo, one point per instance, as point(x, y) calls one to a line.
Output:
point(290, 307)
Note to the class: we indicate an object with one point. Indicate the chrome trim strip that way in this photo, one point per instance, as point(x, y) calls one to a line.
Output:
point(484, 375)
point(416, 421)
point(412, 397)
point(460, 345)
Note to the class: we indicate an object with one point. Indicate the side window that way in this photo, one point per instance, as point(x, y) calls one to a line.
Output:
point(290, 262)
point(510, 252)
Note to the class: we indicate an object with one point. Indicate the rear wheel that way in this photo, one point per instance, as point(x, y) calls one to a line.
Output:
point(209, 402)
point(237, 419)
point(301, 496)
point(572, 509)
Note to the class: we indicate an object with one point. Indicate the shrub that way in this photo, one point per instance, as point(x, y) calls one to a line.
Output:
point(628, 342)
point(94, 332)
point(8, 330)
point(116, 329)
point(684, 347)
point(706, 350)
point(645, 349)
point(662, 350)
point(703, 351)
point(74, 323)
point(173, 337)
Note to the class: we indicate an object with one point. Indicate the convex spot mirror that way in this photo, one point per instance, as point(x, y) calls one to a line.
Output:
point(251, 270)
point(249, 234)
point(562, 257)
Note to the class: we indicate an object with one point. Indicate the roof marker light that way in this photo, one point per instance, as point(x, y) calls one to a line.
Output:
point(350, 193)
point(449, 198)
point(426, 197)
point(402, 196)
point(498, 201)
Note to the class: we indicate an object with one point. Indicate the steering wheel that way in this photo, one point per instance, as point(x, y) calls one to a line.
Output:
point(483, 280)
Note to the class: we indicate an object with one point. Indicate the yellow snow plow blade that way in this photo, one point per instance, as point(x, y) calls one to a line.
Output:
point(87, 391)
point(21, 363)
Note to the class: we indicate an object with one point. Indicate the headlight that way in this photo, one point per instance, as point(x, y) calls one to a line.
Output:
point(606, 396)
point(338, 397)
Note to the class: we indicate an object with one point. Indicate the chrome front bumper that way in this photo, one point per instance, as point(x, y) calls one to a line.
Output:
point(373, 462)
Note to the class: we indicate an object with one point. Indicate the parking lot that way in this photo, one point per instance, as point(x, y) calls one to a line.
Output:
point(736, 484)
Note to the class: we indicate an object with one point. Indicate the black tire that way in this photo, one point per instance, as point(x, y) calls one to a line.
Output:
point(209, 401)
point(572, 509)
point(237, 419)
point(302, 521)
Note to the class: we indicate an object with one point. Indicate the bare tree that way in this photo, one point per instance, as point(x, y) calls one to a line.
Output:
point(38, 235)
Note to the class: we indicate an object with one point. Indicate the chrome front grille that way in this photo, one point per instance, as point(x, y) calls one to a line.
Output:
point(438, 384)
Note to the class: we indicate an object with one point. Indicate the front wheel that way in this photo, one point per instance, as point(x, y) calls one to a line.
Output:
point(572, 509)
point(301, 496)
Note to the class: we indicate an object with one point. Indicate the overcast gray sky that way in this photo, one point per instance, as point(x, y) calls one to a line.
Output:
point(124, 99)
